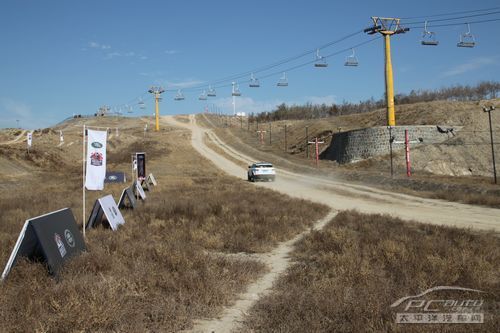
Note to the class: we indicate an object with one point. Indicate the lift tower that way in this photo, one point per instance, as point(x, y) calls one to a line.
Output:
point(157, 91)
point(387, 27)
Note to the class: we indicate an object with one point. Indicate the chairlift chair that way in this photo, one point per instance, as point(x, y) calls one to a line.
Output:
point(467, 39)
point(351, 60)
point(283, 81)
point(429, 37)
point(236, 90)
point(211, 92)
point(142, 106)
point(179, 96)
point(203, 96)
point(320, 60)
point(254, 83)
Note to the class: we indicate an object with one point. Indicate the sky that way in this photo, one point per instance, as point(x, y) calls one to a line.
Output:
point(61, 58)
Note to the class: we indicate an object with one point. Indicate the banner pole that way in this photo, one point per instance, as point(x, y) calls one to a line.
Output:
point(83, 182)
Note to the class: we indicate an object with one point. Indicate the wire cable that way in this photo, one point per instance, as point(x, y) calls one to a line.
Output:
point(452, 18)
point(452, 13)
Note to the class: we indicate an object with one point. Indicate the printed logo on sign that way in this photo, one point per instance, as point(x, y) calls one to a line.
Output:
point(60, 245)
point(454, 305)
point(114, 211)
point(113, 177)
point(96, 159)
point(96, 144)
point(69, 238)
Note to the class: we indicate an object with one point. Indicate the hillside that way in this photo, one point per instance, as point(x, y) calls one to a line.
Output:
point(468, 153)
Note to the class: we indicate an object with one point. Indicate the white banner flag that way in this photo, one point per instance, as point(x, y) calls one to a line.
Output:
point(61, 137)
point(96, 160)
point(30, 138)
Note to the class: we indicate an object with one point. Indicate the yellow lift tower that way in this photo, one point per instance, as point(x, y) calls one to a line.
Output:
point(387, 27)
point(157, 91)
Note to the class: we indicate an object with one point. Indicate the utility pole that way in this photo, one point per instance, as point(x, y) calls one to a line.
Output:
point(270, 134)
point(157, 91)
point(286, 149)
point(391, 140)
point(407, 143)
point(307, 142)
point(489, 109)
point(316, 143)
point(261, 136)
point(387, 26)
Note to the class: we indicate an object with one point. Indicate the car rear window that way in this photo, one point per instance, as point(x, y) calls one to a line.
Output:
point(264, 165)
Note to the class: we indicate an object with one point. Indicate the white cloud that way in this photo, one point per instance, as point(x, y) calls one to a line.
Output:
point(170, 52)
point(249, 105)
point(471, 65)
point(183, 84)
point(112, 55)
point(17, 110)
point(96, 45)
point(246, 104)
point(328, 99)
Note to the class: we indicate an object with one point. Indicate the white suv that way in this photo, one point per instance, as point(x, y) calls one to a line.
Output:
point(261, 171)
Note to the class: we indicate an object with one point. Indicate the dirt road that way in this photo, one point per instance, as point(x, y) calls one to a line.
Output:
point(341, 195)
point(336, 194)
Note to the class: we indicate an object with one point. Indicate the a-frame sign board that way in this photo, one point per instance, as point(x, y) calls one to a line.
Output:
point(51, 238)
point(145, 185)
point(127, 195)
point(151, 180)
point(105, 211)
point(139, 191)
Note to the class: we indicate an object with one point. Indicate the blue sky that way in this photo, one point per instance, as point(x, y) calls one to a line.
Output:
point(64, 57)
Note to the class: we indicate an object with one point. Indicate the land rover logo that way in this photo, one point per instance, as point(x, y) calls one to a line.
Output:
point(113, 177)
point(96, 144)
point(69, 238)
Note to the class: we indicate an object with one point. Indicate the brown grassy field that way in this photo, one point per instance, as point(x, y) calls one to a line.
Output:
point(346, 276)
point(157, 272)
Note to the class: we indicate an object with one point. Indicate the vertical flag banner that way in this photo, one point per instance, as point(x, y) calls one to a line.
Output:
point(30, 138)
point(96, 160)
point(61, 137)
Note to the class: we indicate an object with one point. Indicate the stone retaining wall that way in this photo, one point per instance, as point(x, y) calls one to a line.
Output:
point(356, 145)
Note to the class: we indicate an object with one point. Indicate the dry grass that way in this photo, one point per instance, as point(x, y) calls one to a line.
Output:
point(346, 276)
point(156, 273)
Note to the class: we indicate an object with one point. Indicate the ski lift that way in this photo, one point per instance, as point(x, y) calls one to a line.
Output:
point(236, 90)
point(283, 81)
point(467, 39)
point(351, 60)
point(211, 92)
point(203, 96)
point(254, 83)
point(142, 106)
point(179, 96)
point(129, 109)
point(320, 60)
point(429, 37)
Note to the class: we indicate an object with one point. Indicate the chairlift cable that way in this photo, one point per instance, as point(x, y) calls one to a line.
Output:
point(449, 14)
point(452, 18)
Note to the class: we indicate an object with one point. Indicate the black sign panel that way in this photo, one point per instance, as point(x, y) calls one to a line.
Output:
point(52, 238)
point(105, 212)
point(127, 195)
point(141, 165)
point(115, 177)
